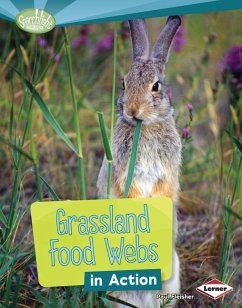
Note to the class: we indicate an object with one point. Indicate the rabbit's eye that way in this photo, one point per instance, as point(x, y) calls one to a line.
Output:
point(156, 87)
point(123, 85)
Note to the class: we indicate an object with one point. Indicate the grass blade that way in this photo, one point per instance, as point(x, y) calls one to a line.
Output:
point(34, 153)
point(8, 287)
point(107, 150)
point(232, 211)
point(3, 219)
point(37, 295)
point(133, 157)
point(6, 267)
point(16, 290)
point(47, 114)
point(50, 189)
point(75, 114)
point(235, 141)
point(16, 148)
point(115, 45)
point(50, 62)
point(106, 302)
point(104, 137)
point(53, 297)
point(75, 296)
point(110, 165)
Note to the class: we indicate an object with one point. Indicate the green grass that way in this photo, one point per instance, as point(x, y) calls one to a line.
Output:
point(76, 117)
point(137, 133)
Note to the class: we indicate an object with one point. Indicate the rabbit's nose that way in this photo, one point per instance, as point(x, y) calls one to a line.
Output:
point(131, 112)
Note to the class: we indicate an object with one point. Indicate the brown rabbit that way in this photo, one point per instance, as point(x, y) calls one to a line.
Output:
point(145, 97)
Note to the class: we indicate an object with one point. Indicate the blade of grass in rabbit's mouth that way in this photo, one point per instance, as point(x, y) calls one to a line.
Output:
point(133, 155)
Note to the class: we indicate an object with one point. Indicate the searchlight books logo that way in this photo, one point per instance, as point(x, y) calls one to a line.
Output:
point(214, 289)
point(35, 21)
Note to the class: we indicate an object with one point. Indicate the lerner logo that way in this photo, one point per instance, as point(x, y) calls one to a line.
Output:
point(35, 21)
point(214, 289)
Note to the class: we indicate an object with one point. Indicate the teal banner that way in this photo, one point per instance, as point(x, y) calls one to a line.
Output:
point(149, 279)
point(68, 12)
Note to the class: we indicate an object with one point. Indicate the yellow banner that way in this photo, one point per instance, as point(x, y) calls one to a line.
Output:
point(74, 237)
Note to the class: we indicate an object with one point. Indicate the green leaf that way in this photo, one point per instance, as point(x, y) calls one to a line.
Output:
point(235, 141)
point(133, 157)
point(53, 297)
point(9, 284)
point(37, 295)
point(28, 260)
point(6, 267)
point(3, 219)
point(75, 291)
point(11, 122)
point(50, 189)
point(106, 302)
point(16, 148)
point(50, 62)
point(47, 114)
point(1, 239)
point(105, 137)
point(16, 290)
point(233, 212)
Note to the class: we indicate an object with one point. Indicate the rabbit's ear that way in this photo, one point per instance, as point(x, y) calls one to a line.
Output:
point(161, 48)
point(139, 37)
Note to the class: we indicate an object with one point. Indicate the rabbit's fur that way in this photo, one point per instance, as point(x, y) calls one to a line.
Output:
point(159, 153)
